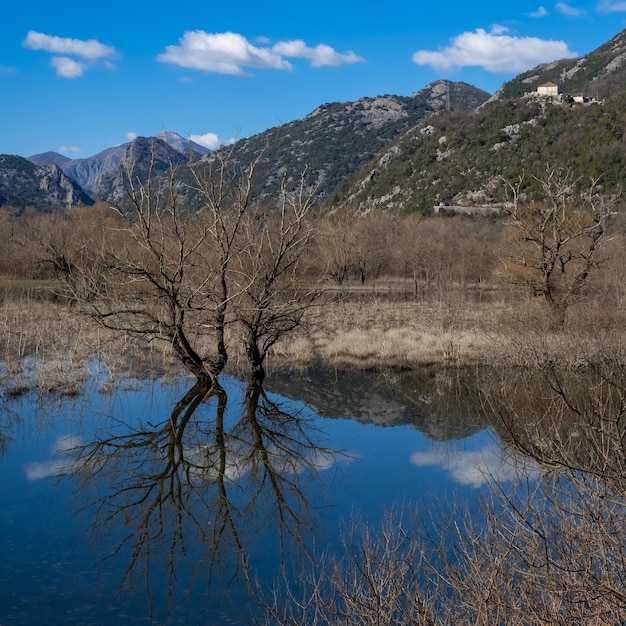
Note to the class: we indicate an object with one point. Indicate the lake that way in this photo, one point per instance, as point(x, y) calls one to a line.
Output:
point(154, 502)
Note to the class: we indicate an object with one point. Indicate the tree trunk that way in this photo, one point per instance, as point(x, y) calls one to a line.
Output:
point(256, 359)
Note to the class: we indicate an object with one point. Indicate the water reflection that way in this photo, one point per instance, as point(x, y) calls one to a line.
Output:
point(491, 464)
point(441, 404)
point(205, 481)
point(218, 484)
point(10, 419)
point(567, 418)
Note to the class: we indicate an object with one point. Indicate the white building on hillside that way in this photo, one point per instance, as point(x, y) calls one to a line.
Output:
point(548, 89)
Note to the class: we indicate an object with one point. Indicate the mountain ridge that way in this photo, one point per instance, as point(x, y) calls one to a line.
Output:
point(45, 187)
point(336, 138)
point(600, 73)
point(87, 172)
point(444, 144)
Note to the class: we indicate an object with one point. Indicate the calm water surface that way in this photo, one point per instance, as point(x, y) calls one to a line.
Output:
point(148, 504)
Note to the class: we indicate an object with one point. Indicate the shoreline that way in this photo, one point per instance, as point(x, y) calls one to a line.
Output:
point(48, 347)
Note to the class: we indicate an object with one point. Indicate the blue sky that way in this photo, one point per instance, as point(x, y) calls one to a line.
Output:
point(79, 77)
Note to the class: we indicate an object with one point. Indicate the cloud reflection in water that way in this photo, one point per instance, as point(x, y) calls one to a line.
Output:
point(59, 464)
point(477, 467)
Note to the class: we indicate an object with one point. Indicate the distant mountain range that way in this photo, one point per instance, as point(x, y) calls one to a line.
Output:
point(444, 144)
point(44, 187)
point(87, 173)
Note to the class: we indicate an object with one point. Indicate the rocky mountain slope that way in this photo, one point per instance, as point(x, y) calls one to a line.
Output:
point(141, 158)
point(599, 74)
point(176, 141)
point(49, 158)
point(335, 139)
point(87, 172)
point(459, 160)
point(45, 187)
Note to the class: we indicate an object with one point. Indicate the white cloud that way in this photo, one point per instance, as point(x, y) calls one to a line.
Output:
point(498, 29)
point(566, 9)
point(66, 49)
point(319, 56)
point(131, 135)
point(494, 52)
point(70, 149)
point(68, 68)
point(87, 49)
point(222, 53)
point(232, 53)
point(59, 464)
point(540, 12)
point(612, 6)
point(211, 140)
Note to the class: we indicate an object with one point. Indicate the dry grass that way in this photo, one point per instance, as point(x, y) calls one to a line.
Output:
point(48, 346)
point(451, 330)
point(380, 334)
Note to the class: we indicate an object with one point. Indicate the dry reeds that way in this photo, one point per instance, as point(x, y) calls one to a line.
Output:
point(49, 345)
point(46, 345)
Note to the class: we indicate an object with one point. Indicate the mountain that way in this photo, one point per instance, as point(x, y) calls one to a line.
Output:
point(47, 158)
point(460, 159)
point(330, 143)
point(46, 187)
point(335, 139)
point(599, 74)
point(87, 172)
point(143, 157)
point(24, 183)
point(181, 144)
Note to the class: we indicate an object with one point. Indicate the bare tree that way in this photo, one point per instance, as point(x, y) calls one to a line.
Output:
point(226, 193)
point(556, 240)
point(164, 272)
point(272, 293)
point(158, 280)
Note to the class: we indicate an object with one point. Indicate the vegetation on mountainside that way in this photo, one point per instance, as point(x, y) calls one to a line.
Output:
point(333, 141)
point(460, 158)
point(599, 74)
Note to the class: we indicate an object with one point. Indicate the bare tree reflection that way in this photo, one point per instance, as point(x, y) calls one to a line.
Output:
point(548, 548)
point(572, 419)
point(197, 490)
point(10, 418)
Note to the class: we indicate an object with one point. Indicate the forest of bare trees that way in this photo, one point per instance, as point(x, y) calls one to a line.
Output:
point(231, 282)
